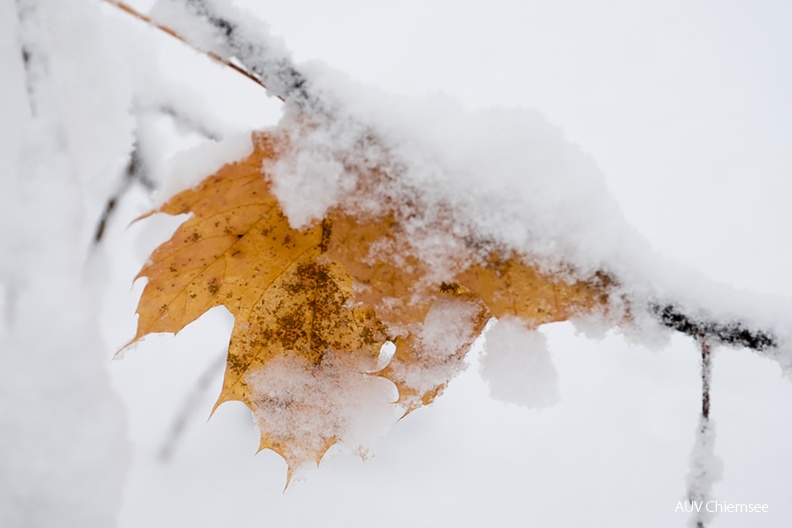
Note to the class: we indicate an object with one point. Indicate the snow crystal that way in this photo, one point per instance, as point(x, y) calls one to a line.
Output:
point(517, 365)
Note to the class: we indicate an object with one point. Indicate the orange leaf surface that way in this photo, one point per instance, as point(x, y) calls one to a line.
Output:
point(313, 307)
point(238, 251)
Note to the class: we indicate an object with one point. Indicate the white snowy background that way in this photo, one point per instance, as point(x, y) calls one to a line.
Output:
point(684, 106)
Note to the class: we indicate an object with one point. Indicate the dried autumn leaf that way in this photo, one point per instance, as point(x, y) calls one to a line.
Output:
point(313, 306)
point(239, 251)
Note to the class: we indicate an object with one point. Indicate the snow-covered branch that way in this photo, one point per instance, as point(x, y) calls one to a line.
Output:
point(224, 31)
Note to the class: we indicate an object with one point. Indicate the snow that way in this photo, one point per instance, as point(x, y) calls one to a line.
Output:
point(505, 173)
point(440, 345)
point(679, 118)
point(337, 400)
point(517, 366)
point(192, 165)
point(63, 447)
point(705, 470)
point(320, 179)
point(179, 16)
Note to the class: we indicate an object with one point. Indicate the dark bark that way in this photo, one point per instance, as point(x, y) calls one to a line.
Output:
point(734, 333)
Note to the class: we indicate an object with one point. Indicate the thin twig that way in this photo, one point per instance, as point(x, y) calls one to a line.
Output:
point(29, 59)
point(134, 173)
point(151, 22)
point(183, 120)
point(706, 375)
point(704, 462)
point(130, 175)
point(189, 407)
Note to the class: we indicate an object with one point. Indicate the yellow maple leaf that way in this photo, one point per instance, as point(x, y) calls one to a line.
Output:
point(314, 306)
point(238, 251)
